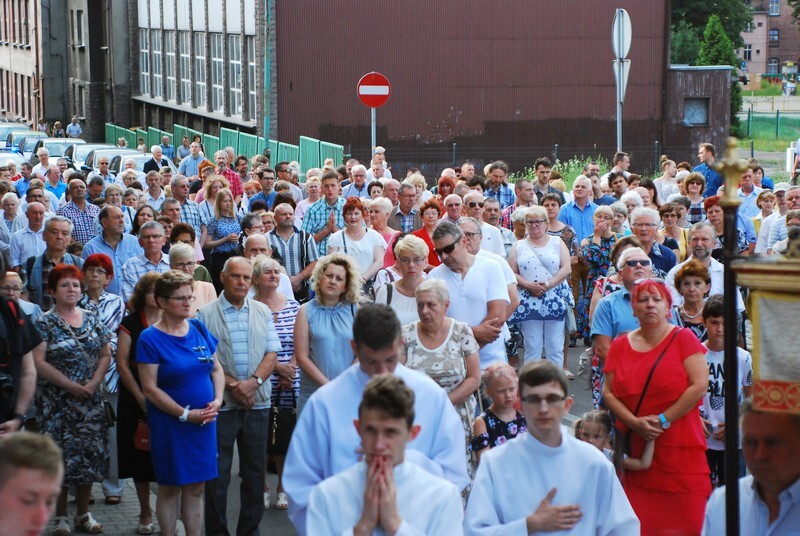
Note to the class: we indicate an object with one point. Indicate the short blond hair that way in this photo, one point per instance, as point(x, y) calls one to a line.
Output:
point(352, 292)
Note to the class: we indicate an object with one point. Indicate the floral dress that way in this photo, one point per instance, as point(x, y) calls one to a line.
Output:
point(498, 431)
point(79, 427)
point(605, 287)
point(599, 259)
point(446, 366)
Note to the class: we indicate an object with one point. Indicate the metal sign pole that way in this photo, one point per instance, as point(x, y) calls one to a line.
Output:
point(620, 57)
point(374, 137)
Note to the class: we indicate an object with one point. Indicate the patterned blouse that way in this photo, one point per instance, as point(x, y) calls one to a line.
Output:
point(498, 431)
point(222, 227)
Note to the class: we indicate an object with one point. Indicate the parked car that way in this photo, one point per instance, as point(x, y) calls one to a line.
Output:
point(7, 128)
point(56, 146)
point(118, 162)
point(16, 137)
point(77, 152)
point(91, 159)
point(25, 146)
point(13, 156)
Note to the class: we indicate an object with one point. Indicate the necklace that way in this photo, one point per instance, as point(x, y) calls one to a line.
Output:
point(685, 312)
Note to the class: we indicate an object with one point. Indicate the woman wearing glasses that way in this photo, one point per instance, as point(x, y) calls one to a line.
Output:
point(542, 265)
point(656, 375)
point(412, 258)
point(182, 381)
point(182, 259)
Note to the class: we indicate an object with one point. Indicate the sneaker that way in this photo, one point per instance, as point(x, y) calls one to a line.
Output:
point(573, 342)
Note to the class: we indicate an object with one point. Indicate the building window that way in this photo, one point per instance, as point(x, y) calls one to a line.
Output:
point(169, 50)
point(199, 70)
point(235, 73)
point(79, 29)
point(695, 112)
point(24, 31)
point(144, 61)
point(185, 65)
point(748, 27)
point(158, 79)
point(250, 41)
point(774, 38)
point(772, 66)
point(217, 72)
point(747, 53)
point(775, 7)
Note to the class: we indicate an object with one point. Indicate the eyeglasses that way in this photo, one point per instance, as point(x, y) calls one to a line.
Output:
point(409, 260)
point(152, 237)
point(184, 299)
point(473, 204)
point(9, 289)
point(447, 249)
point(96, 270)
point(535, 222)
point(551, 400)
point(184, 265)
point(643, 225)
point(646, 279)
point(638, 262)
point(471, 235)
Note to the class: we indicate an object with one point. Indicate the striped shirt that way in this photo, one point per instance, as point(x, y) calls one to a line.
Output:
point(135, 268)
point(111, 309)
point(190, 213)
point(316, 218)
point(296, 255)
point(284, 326)
point(82, 220)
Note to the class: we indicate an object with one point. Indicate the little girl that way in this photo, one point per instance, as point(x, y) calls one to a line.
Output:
point(501, 421)
point(595, 428)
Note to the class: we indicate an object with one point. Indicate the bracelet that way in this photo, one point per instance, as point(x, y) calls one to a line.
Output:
point(185, 415)
point(20, 417)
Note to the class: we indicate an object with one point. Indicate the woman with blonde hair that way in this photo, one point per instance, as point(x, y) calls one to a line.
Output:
point(207, 197)
point(324, 326)
point(422, 187)
point(666, 185)
point(412, 257)
point(222, 234)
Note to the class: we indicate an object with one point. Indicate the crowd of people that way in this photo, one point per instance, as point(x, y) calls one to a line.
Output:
point(161, 320)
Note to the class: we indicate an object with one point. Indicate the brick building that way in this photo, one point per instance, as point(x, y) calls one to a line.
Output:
point(772, 41)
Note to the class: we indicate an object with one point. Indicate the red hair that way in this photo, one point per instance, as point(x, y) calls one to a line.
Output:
point(447, 181)
point(352, 203)
point(63, 271)
point(651, 285)
point(431, 203)
point(99, 260)
point(711, 201)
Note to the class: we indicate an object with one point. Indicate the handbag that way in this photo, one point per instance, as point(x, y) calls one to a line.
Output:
point(622, 443)
point(282, 423)
point(141, 437)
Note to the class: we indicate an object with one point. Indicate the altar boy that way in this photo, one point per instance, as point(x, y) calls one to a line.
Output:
point(382, 494)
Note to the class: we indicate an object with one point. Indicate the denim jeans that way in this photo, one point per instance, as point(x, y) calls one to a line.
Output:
point(249, 430)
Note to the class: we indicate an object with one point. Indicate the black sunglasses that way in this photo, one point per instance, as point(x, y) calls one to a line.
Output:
point(447, 249)
point(473, 204)
point(635, 263)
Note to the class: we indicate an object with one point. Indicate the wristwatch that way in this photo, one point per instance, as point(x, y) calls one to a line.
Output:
point(665, 424)
point(259, 381)
point(185, 415)
point(20, 417)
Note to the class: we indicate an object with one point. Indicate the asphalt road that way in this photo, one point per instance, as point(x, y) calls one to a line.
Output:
point(276, 522)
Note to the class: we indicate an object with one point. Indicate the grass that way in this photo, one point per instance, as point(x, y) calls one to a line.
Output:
point(767, 90)
point(762, 131)
point(569, 169)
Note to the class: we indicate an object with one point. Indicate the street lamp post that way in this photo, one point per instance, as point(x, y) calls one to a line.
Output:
point(731, 168)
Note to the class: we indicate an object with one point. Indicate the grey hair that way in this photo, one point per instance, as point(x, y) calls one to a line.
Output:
point(644, 212)
point(382, 204)
point(519, 214)
point(247, 238)
point(152, 224)
point(176, 179)
point(357, 167)
point(406, 186)
point(633, 197)
point(235, 259)
point(446, 228)
point(261, 264)
point(9, 195)
point(623, 257)
point(437, 287)
point(154, 147)
point(699, 226)
point(222, 152)
point(536, 210)
point(473, 221)
point(619, 208)
point(58, 219)
point(178, 251)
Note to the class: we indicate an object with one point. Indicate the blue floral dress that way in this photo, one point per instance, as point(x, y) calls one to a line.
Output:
point(79, 427)
point(498, 431)
point(599, 259)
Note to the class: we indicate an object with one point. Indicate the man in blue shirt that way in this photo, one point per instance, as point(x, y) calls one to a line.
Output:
point(167, 149)
point(266, 177)
point(189, 165)
point(115, 243)
point(706, 154)
point(644, 223)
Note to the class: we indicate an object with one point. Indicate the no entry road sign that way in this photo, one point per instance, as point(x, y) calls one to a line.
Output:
point(374, 90)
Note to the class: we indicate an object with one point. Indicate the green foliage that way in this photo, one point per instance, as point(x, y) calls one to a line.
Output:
point(569, 169)
point(795, 5)
point(717, 49)
point(768, 89)
point(684, 44)
point(733, 14)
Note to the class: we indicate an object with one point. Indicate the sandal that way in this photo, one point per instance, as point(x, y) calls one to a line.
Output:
point(569, 375)
point(61, 527)
point(283, 501)
point(145, 528)
point(113, 500)
point(86, 523)
point(266, 500)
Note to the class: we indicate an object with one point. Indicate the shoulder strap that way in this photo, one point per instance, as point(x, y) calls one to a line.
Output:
point(653, 369)
point(389, 290)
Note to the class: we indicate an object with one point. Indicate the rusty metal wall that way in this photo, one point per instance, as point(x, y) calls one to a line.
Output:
point(481, 73)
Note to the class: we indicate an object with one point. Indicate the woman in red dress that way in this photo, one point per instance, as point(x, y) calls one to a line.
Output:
point(670, 497)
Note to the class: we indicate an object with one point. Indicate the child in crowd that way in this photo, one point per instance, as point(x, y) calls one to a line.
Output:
point(595, 428)
point(713, 410)
point(501, 421)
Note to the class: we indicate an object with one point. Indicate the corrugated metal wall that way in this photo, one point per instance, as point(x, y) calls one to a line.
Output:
point(482, 73)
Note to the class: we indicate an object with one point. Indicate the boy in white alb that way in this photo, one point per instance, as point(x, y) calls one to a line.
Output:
point(713, 411)
point(384, 494)
point(547, 480)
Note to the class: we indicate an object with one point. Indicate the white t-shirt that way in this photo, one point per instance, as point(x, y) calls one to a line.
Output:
point(713, 409)
point(492, 240)
point(469, 298)
point(404, 306)
point(362, 251)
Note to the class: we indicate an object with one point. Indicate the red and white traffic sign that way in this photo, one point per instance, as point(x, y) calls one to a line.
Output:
point(374, 90)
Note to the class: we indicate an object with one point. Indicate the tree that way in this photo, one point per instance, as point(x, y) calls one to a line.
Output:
point(717, 49)
point(734, 15)
point(795, 5)
point(684, 44)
